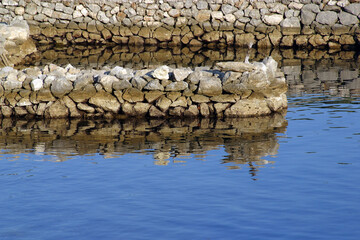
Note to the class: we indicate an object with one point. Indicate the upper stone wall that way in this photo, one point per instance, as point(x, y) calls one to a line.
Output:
point(267, 23)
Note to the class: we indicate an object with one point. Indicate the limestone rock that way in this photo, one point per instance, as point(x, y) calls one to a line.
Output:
point(83, 81)
point(105, 101)
point(307, 17)
point(133, 95)
point(163, 103)
point(275, 103)
point(162, 34)
point(291, 26)
point(138, 82)
point(176, 86)
point(228, 9)
point(107, 82)
point(153, 95)
point(176, 111)
point(210, 87)
point(203, 16)
point(225, 98)
point(275, 37)
point(122, 84)
point(44, 95)
point(122, 73)
point(128, 109)
point(353, 8)
point(192, 111)
point(154, 85)
point(347, 18)
point(57, 110)
point(12, 84)
point(327, 18)
point(273, 19)
point(74, 112)
point(244, 40)
point(180, 102)
point(256, 80)
point(181, 74)
point(204, 110)
point(141, 109)
point(6, 111)
point(85, 107)
point(235, 66)
point(161, 73)
point(195, 76)
point(155, 112)
point(60, 87)
point(248, 108)
point(83, 94)
point(197, 98)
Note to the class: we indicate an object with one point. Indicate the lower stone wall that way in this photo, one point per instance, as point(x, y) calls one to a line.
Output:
point(231, 89)
point(265, 23)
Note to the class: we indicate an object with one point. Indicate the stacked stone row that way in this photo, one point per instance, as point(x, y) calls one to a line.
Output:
point(285, 23)
point(56, 92)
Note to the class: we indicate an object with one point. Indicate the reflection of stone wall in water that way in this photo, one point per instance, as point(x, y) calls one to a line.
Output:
point(245, 140)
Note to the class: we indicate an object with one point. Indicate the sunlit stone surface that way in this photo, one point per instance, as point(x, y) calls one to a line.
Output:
point(243, 89)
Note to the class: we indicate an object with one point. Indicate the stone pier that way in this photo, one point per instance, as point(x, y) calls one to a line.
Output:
point(230, 89)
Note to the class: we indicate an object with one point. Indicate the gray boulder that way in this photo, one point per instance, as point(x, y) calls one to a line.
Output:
point(327, 18)
point(347, 18)
point(353, 8)
point(60, 87)
point(210, 87)
point(176, 86)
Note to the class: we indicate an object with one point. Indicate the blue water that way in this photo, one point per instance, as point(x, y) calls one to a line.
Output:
point(305, 184)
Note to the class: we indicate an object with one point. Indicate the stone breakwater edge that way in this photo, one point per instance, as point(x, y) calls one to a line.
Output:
point(266, 23)
point(230, 89)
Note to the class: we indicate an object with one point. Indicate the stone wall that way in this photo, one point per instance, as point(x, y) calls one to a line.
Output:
point(232, 89)
point(266, 23)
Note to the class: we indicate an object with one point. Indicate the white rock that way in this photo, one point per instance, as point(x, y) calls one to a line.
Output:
point(101, 16)
point(48, 80)
point(273, 19)
point(181, 73)
point(118, 70)
point(84, 12)
point(77, 14)
point(161, 73)
point(36, 84)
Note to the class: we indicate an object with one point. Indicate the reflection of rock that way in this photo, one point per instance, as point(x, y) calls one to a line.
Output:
point(15, 43)
point(246, 140)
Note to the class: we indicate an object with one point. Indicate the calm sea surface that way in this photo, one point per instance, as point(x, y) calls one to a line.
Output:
point(294, 175)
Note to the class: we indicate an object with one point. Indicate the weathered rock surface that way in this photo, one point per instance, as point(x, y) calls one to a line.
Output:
point(231, 90)
point(194, 23)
